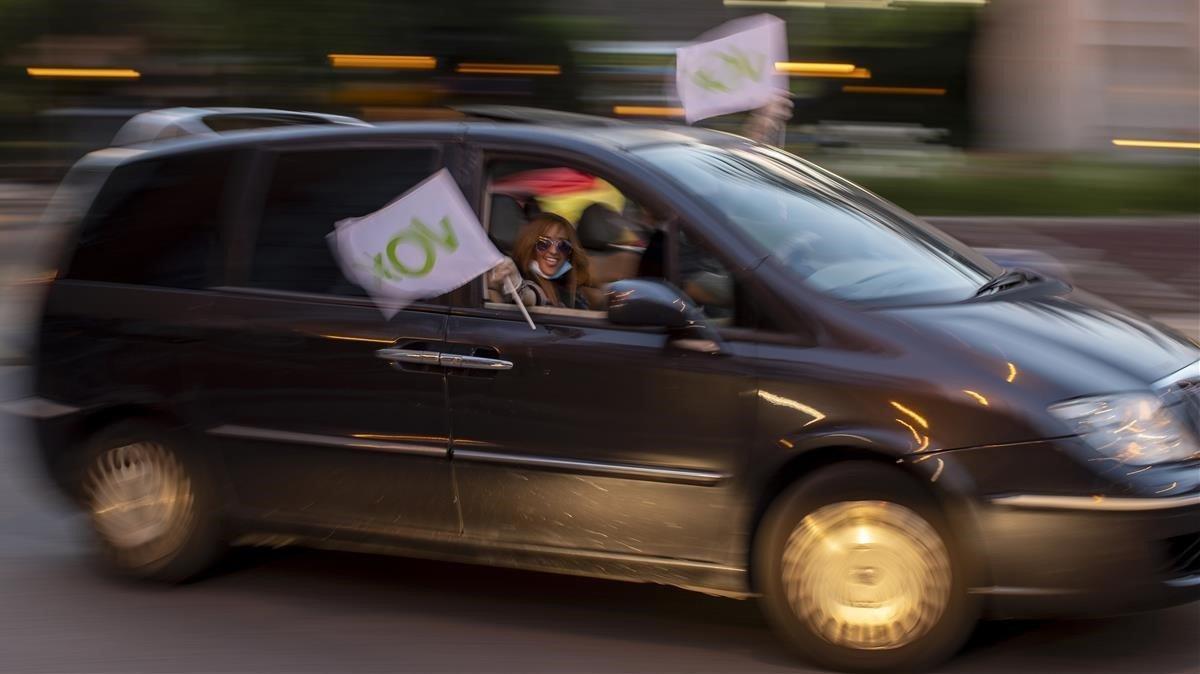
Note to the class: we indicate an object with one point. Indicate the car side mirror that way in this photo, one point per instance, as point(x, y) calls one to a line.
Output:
point(648, 303)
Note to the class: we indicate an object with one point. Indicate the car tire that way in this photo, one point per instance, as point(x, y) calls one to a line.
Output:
point(153, 505)
point(858, 572)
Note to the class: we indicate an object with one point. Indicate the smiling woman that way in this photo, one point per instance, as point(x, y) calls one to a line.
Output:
point(548, 254)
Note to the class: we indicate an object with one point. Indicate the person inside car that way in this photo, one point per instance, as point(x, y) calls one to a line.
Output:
point(552, 265)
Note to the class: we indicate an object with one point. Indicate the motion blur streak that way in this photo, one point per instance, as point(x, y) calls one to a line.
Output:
point(794, 67)
point(1162, 144)
point(508, 69)
point(910, 91)
point(836, 70)
point(647, 111)
point(85, 73)
point(382, 61)
point(851, 4)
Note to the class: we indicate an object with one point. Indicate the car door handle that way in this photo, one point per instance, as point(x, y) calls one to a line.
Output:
point(474, 362)
point(434, 358)
point(413, 356)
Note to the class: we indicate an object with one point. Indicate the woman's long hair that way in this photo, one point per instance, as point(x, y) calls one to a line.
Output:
point(524, 253)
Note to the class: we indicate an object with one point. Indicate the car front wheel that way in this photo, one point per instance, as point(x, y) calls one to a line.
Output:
point(858, 573)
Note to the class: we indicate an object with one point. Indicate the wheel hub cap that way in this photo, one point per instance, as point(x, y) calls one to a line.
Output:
point(868, 575)
point(137, 493)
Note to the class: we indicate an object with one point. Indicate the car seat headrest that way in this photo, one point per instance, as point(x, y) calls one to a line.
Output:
point(506, 219)
point(600, 226)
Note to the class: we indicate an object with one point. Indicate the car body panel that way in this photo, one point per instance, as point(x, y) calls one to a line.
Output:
point(555, 451)
point(608, 450)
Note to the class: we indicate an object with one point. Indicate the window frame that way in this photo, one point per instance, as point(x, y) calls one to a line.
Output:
point(245, 217)
point(483, 155)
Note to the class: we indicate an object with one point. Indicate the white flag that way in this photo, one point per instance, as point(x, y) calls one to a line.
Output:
point(732, 68)
point(424, 244)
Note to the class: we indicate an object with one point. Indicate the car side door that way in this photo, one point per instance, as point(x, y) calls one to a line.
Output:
point(597, 439)
point(318, 427)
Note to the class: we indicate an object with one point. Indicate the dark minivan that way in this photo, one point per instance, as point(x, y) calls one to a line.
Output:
point(783, 386)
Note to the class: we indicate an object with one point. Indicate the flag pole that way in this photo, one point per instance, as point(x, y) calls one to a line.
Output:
point(508, 286)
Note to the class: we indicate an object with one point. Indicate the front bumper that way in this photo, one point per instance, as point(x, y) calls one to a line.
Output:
point(1070, 556)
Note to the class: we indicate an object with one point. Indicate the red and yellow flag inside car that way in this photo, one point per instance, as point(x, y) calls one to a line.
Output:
point(564, 191)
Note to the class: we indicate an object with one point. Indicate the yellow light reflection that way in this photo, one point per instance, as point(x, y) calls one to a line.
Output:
point(979, 397)
point(382, 61)
point(85, 73)
point(347, 338)
point(647, 111)
point(1012, 373)
point(400, 438)
point(920, 419)
point(774, 399)
point(938, 473)
point(508, 69)
point(1160, 144)
point(899, 91)
point(921, 440)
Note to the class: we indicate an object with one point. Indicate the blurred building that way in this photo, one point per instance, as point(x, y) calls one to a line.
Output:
point(1074, 75)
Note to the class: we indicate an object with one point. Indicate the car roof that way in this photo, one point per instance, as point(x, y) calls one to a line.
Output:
point(148, 125)
point(562, 136)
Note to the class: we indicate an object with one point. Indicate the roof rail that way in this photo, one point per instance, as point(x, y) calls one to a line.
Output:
point(517, 113)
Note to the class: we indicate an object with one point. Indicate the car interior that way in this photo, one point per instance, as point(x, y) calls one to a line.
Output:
point(621, 239)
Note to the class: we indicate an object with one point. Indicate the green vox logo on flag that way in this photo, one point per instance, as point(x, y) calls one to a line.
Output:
point(387, 264)
point(737, 68)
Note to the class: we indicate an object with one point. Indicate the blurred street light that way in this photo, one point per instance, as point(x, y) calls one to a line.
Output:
point(85, 73)
point(382, 61)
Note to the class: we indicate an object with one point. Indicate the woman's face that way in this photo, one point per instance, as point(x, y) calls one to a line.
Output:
point(549, 251)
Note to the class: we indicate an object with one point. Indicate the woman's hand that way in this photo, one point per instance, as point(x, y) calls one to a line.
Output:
point(507, 269)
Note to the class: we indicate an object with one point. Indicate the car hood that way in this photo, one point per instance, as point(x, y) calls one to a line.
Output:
point(1061, 345)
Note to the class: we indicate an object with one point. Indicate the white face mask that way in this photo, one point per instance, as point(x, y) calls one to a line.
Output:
point(562, 269)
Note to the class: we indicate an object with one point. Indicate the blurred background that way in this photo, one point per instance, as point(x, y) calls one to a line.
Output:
point(1065, 133)
point(1068, 127)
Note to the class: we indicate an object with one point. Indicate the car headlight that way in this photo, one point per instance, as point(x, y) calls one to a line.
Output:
point(1133, 428)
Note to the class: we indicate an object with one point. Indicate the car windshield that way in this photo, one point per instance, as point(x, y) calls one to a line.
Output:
point(835, 237)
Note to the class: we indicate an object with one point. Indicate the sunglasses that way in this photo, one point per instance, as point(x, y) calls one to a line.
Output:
point(564, 247)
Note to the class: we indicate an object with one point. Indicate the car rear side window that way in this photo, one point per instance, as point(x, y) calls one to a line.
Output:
point(310, 191)
point(155, 222)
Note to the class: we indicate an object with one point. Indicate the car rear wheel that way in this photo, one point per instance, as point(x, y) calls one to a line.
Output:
point(152, 506)
point(858, 572)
